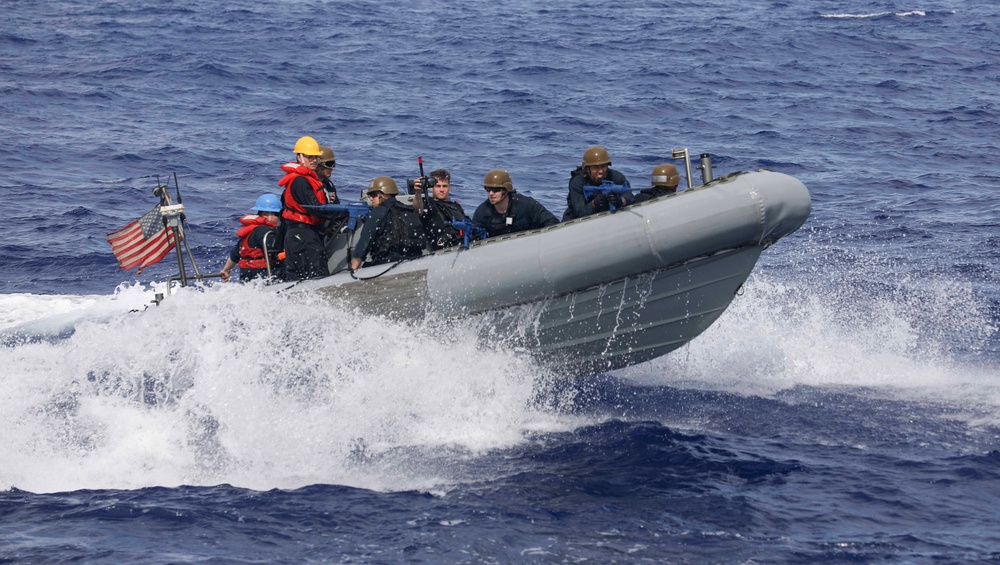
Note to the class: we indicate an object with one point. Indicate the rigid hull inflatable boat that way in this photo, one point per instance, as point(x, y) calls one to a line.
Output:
point(596, 293)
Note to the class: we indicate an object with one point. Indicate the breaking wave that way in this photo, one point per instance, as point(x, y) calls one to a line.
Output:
point(876, 15)
point(262, 390)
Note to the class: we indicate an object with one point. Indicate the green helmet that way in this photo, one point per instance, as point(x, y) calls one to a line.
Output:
point(666, 175)
point(384, 185)
point(498, 178)
point(596, 156)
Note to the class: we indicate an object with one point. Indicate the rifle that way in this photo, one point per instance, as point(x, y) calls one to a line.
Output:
point(355, 211)
point(607, 188)
point(468, 231)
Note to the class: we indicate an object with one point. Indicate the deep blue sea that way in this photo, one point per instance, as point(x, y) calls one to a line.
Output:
point(845, 409)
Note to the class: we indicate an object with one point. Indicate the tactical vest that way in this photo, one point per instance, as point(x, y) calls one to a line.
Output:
point(437, 223)
point(402, 238)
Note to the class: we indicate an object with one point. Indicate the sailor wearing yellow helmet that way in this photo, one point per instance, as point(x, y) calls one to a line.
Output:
point(306, 255)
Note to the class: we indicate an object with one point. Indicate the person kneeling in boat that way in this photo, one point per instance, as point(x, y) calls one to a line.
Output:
point(595, 170)
point(392, 232)
point(505, 211)
point(306, 255)
point(664, 179)
point(438, 211)
point(258, 242)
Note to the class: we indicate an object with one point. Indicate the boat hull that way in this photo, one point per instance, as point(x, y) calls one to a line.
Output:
point(627, 321)
point(601, 292)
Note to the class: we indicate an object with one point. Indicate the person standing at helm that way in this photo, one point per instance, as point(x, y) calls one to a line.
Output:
point(505, 211)
point(596, 168)
point(392, 232)
point(257, 238)
point(306, 256)
point(664, 179)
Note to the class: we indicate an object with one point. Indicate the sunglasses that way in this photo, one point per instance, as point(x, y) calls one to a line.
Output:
point(493, 188)
point(329, 164)
point(374, 194)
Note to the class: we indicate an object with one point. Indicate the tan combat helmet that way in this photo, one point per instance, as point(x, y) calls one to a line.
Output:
point(384, 185)
point(596, 155)
point(498, 178)
point(666, 175)
point(326, 155)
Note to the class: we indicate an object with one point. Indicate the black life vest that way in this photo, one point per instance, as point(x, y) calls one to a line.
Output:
point(403, 236)
point(441, 233)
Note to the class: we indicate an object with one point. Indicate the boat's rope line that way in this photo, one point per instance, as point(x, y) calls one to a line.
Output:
point(391, 267)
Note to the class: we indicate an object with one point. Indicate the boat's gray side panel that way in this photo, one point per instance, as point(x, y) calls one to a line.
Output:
point(627, 321)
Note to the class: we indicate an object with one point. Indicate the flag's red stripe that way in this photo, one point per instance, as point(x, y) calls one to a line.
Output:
point(133, 247)
point(129, 246)
point(124, 239)
point(114, 234)
point(154, 250)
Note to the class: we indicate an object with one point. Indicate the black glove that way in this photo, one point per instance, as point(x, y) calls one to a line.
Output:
point(599, 202)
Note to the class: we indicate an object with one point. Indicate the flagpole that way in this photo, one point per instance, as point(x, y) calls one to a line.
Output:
point(194, 265)
point(171, 221)
point(140, 243)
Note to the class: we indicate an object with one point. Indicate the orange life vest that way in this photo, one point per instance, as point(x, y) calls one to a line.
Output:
point(291, 209)
point(251, 257)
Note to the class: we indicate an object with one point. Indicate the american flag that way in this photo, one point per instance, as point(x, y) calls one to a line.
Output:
point(142, 242)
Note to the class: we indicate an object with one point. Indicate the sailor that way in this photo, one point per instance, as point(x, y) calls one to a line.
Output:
point(256, 237)
point(505, 211)
point(664, 180)
point(438, 212)
point(594, 170)
point(306, 256)
point(324, 170)
point(392, 232)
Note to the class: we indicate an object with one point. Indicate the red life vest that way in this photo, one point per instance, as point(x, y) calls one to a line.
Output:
point(251, 257)
point(293, 210)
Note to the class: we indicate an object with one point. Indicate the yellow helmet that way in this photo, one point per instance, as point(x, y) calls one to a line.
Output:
point(596, 156)
point(498, 178)
point(666, 175)
point(384, 185)
point(306, 146)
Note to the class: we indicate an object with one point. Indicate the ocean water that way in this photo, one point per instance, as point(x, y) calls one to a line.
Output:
point(843, 410)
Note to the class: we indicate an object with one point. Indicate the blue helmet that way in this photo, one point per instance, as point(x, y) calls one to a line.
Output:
point(268, 203)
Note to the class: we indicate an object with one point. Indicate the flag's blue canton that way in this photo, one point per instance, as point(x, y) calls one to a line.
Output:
point(151, 223)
